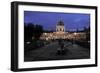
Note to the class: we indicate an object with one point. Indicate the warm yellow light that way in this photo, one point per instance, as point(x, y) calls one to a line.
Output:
point(75, 33)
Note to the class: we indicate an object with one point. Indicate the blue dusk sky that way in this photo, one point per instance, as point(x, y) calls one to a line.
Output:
point(49, 20)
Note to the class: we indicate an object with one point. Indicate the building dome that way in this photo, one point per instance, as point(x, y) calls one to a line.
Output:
point(60, 23)
point(60, 27)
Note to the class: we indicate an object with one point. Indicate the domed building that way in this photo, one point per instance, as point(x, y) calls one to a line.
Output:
point(60, 27)
point(60, 33)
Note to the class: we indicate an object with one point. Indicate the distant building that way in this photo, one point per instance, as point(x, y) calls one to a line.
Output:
point(61, 34)
point(60, 27)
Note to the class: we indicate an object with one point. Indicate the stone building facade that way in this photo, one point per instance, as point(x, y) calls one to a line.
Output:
point(62, 34)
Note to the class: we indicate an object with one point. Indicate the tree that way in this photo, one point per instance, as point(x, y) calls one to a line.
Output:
point(31, 30)
point(38, 30)
point(28, 31)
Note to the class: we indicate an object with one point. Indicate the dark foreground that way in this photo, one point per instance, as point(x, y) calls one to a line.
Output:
point(49, 52)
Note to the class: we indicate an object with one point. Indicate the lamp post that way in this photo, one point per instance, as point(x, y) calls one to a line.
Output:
point(75, 37)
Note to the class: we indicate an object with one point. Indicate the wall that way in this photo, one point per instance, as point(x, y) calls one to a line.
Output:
point(5, 35)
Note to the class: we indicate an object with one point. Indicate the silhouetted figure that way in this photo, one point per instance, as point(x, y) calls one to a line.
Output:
point(61, 48)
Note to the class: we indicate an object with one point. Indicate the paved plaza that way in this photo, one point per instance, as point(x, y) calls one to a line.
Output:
point(49, 52)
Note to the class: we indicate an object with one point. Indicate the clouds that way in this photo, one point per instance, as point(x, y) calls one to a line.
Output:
point(48, 20)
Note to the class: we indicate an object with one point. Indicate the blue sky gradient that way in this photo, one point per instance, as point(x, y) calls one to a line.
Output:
point(72, 21)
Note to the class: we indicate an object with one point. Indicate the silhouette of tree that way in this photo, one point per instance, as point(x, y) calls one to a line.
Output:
point(38, 30)
point(28, 31)
point(31, 30)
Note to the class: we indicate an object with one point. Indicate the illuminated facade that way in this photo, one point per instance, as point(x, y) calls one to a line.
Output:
point(61, 34)
point(60, 27)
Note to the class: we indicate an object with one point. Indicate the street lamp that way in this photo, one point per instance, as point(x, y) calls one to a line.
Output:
point(74, 37)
